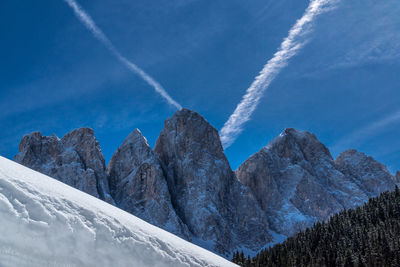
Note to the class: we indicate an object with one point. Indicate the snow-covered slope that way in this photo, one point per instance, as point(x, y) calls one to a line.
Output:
point(44, 222)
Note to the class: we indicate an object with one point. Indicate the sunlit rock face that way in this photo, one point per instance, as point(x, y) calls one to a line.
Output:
point(297, 183)
point(76, 160)
point(138, 185)
point(371, 176)
point(220, 212)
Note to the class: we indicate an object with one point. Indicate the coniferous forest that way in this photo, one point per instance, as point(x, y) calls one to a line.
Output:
point(365, 236)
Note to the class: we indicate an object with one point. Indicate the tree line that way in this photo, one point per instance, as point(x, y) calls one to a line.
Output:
point(366, 236)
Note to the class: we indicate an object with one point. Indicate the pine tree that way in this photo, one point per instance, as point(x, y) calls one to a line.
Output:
point(366, 236)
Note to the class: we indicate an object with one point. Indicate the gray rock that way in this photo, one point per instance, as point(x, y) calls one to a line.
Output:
point(397, 178)
point(296, 182)
point(186, 185)
point(371, 176)
point(76, 160)
point(220, 212)
point(139, 187)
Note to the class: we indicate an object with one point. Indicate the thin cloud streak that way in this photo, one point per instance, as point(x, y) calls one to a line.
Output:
point(84, 17)
point(366, 132)
point(289, 48)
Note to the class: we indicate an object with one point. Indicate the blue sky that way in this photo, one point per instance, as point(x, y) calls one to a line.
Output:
point(343, 85)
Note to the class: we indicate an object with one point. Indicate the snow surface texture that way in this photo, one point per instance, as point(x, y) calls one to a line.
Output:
point(44, 222)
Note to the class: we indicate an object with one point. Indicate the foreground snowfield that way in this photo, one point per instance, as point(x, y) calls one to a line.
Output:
point(44, 222)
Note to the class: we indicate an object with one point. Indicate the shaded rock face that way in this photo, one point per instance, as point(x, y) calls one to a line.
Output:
point(76, 160)
point(220, 212)
point(397, 178)
point(371, 176)
point(297, 183)
point(139, 187)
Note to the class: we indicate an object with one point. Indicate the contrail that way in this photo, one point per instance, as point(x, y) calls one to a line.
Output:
point(366, 132)
point(85, 18)
point(289, 47)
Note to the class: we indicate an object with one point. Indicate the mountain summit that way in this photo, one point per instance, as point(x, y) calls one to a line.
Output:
point(76, 160)
point(138, 185)
point(297, 182)
point(205, 191)
point(186, 185)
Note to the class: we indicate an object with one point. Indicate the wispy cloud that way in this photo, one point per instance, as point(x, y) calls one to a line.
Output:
point(84, 17)
point(367, 131)
point(289, 47)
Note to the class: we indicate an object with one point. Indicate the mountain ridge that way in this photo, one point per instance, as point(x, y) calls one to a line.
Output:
point(185, 185)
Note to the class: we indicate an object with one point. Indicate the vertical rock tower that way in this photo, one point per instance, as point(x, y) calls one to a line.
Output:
point(219, 211)
point(138, 185)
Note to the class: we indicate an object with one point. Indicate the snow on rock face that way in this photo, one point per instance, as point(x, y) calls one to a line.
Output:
point(297, 183)
point(371, 176)
point(139, 187)
point(76, 160)
point(220, 212)
point(44, 222)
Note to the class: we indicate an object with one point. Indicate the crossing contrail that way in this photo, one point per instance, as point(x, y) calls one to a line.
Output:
point(289, 47)
point(85, 18)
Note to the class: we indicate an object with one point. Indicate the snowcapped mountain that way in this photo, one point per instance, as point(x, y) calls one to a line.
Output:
point(44, 222)
point(187, 187)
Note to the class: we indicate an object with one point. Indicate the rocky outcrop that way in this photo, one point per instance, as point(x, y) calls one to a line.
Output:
point(397, 178)
point(139, 187)
point(76, 160)
point(220, 212)
point(297, 183)
point(371, 176)
point(186, 185)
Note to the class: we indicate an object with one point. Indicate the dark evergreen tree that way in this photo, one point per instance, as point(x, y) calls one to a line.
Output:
point(366, 236)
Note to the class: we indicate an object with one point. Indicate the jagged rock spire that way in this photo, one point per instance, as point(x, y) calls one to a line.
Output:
point(219, 211)
point(186, 185)
point(76, 160)
point(138, 185)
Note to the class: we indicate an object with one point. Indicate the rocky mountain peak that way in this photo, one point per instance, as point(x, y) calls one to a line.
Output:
point(138, 185)
point(35, 149)
point(76, 160)
point(190, 131)
point(83, 141)
point(186, 185)
point(297, 183)
point(133, 152)
point(371, 176)
point(205, 192)
point(352, 158)
point(291, 143)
